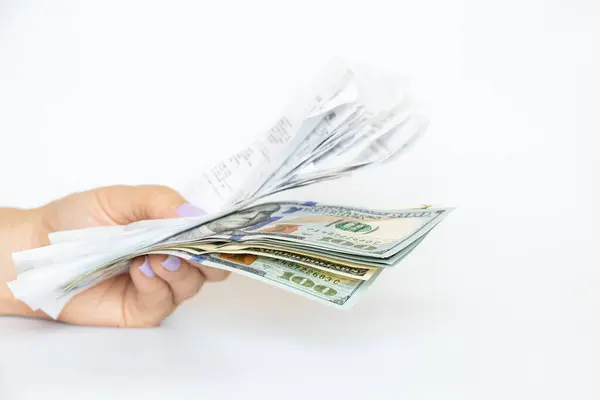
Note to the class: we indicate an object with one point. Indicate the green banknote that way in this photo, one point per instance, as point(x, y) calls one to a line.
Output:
point(341, 229)
point(323, 286)
point(290, 240)
point(347, 269)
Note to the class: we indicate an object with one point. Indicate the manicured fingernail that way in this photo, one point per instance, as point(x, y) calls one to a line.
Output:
point(171, 263)
point(190, 210)
point(146, 268)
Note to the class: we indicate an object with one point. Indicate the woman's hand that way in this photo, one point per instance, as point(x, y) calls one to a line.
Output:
point(155, 285)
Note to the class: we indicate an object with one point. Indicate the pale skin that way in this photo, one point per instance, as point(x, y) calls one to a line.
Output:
point(143, 297)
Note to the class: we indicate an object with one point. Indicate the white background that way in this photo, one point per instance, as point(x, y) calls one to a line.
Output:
point(501, 301)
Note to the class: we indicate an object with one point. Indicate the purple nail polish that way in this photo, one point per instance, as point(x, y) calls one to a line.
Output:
point(190, 210)
point(171, 263)
point(146, 269)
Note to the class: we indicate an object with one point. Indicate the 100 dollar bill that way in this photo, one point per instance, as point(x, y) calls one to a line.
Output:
point(334, 290)
point(348, 270)
point(350, 230)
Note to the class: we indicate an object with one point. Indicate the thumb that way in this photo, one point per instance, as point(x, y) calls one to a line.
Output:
point(127, 204)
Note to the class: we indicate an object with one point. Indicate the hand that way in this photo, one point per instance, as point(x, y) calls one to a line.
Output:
point(154, 286)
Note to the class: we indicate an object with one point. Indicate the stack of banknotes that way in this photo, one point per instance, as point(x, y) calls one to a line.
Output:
point(346, 120)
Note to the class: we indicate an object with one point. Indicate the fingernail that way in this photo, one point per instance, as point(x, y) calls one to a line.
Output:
point(171, 263)
point(190, 210)
point(146, 268)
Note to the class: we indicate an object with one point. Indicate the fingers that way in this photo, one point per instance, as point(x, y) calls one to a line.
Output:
point(126, 204)
point(151, 300)
point(183, 279)
point(212, 274)
point(161, 283)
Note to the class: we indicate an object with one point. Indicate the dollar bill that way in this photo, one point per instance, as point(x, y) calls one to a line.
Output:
point(350, 230)
point(329, 230)
point(342, 257)
point(266, 249)
point(348, 269)
point(317, 284)
point(313, 283)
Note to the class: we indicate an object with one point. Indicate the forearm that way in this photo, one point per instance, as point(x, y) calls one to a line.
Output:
point(17, 232)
